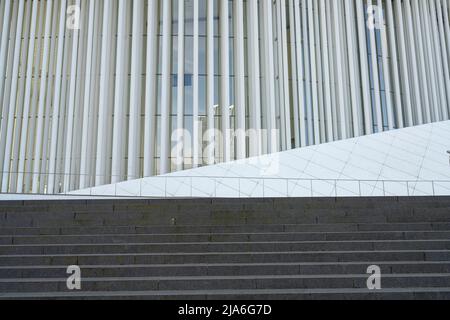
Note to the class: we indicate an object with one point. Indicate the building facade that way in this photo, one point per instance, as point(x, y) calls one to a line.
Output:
point(96, 92)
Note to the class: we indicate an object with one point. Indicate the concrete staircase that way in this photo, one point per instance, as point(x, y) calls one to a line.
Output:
point(226, 249)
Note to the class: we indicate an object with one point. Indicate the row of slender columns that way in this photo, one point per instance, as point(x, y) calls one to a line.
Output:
point(92, 106)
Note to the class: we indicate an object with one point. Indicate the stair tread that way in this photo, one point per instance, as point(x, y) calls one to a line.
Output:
point(220, 243)
point(219, 234)
point(220, 253)
point(250, 292)
point(212, 265)
point(206, 278)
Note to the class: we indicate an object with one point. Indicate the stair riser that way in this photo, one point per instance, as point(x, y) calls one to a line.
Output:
point(167, 271)
point(287, 237)
point(253, 296)
point(224, 247)
point(223, 218)
point(225, 258)
point(340, 227)
point(228, 284)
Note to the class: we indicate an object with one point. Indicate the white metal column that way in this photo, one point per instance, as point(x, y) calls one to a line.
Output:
point(8, 127)
point(307, 74)
point(269, 78)
point(87, 109)
point(339, 70)
point(20, 99)
point(352, 68)
point(313, 68)
point(444, 49)
point(404, 64)
point(285, 75)
point(386, 70)
point(27, 101)
point(38, 77)
point(394, 65)
point(295, 101)
point(431, 72)
point(70, 115)
point(4, 53)
point(425, 103)
point(300, 73)
point(438, 61)
point(42, 100)
point(326, 71)
point(320, 86)
point(413, 64)
point(180, 87)
point(195, 89)
point(43, 182)
point(254, 75)
point(445, 8)
point(375, 74)
point(120, 106)
point(363, 58)
point(102, 127)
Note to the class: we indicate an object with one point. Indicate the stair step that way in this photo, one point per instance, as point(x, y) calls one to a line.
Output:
point(229, 295)
point(229, 247)
point(137, 229)
point(224, 237)
point(225, 257)
point(62, 219)
point(96, 271)
point(226, 282)
point(112, 205)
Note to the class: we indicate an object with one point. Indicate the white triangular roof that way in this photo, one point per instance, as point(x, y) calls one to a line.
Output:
point(410, 161)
